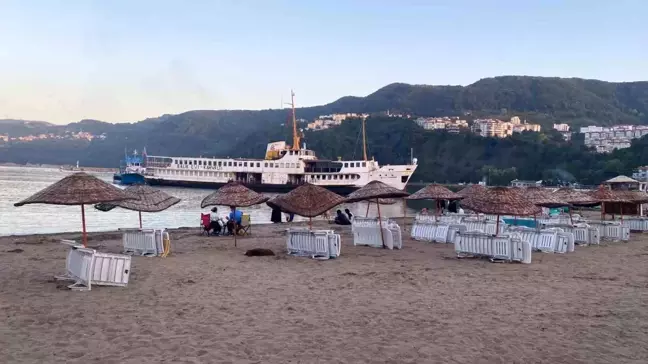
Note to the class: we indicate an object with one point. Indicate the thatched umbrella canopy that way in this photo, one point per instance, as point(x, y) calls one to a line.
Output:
point(470, 190)
point(540, 196)
point(434, 192)
point(500, 201)
point(603, 195)
point(575, 197)
point(635, 197)
point(148, 199)
point(307, 200)
point(375, 190)
point(78, 189)
point(233, 194)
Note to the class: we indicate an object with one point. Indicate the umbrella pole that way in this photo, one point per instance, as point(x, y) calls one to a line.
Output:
point(367, 213)
point(436, 213)
point(85, 234)
point(602, 211)
point(404, 214)
point(571, 219)
point(310, 223)
point(382, 238)
point(621, 210)
point(140, 218)
point(497, 226)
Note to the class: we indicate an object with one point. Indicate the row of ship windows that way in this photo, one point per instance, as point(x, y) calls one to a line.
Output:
point(235, 164)
point(333, 177)
point(258, 164)
point(354, 164)
point(196, 173)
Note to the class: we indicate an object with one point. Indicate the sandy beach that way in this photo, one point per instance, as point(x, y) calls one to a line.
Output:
point(208, 303)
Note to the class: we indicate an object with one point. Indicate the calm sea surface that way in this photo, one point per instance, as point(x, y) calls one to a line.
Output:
point(17, 183)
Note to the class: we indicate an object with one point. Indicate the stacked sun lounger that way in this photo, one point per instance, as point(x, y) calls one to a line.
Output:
point(372, 232)
point(145, 242)
point(317, 244)
point(636, 223)
point(502, 247)
point(611, 230)
point(552, 240)
point(433, 231)
point(583, 233)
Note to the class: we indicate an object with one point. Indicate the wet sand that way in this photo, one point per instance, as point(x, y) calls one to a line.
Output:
point(208, 303)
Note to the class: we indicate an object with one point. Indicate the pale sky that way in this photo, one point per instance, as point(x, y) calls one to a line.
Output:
point(126, 60)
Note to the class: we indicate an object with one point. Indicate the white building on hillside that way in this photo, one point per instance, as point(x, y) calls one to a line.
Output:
point(607, 139)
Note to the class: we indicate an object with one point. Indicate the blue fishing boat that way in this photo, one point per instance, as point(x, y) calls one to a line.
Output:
point(131, 170)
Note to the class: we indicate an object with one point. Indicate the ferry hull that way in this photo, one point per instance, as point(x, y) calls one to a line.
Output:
point(259, 187)
point(128, 179)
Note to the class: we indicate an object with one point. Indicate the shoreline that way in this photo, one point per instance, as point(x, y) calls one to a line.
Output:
point(64, 168)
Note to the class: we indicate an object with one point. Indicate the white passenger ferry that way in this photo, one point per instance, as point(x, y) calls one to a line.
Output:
point(283, 168)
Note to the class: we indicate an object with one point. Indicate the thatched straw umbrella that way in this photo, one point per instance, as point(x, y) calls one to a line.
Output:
point(376, 190)
point(78, 189)
point(470, 190)
point(500, 201)
point(633, 196)
point(540, 196)
point(435, 192)
point(148, 199)
point(574, 197)
point(233, 194)
point(307, 200)
point(604, 195)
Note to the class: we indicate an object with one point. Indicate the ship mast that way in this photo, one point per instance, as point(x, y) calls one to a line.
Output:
point(296, 140)
point(364, 139)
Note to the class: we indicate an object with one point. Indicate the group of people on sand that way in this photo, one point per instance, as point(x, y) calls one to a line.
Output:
point(231, 222)
point(343, 218)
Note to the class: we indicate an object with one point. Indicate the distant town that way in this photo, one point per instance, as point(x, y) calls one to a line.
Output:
point(67, 135)
point(602, 139)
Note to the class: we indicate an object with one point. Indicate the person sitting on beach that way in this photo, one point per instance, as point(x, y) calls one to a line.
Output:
point(341, 219)
point(290, 217)
point(349, 214)
point(215, 223)
point(424, 211)
point(234, 221)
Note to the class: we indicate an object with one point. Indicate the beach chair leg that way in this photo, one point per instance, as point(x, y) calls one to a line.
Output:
point(78, 286)
point(64, 278)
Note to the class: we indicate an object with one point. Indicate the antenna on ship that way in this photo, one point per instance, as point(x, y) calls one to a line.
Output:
point(364, 139)
point(295, 145)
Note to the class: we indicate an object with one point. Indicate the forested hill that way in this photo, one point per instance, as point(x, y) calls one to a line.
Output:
point(443, 157)
point(545, 100)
